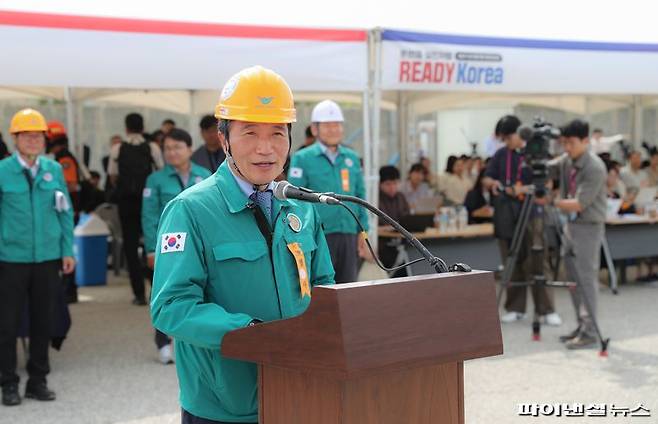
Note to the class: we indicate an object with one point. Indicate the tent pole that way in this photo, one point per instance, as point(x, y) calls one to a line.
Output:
point(372, 166)
point(72, 132)
point(637, 132)
point(192, 116)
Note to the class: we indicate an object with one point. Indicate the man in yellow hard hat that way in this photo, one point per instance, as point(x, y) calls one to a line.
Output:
point(36, 234)
point(229, 255)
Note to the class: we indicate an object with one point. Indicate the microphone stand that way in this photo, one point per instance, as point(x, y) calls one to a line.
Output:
point(437, 263)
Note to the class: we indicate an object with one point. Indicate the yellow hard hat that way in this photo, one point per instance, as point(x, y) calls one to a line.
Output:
point(256, 94)
point(28, 120)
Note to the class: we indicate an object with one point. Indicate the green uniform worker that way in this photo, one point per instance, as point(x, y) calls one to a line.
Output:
point(229, 255)
point(327, 166)
point(161, 187)
point(36, 235)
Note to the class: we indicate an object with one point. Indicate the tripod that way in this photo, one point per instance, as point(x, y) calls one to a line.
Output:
point(539, 280)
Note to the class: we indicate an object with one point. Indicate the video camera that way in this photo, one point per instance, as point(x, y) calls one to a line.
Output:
point(537, 151)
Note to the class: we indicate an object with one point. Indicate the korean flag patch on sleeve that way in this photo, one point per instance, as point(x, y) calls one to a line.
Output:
point(173, 242)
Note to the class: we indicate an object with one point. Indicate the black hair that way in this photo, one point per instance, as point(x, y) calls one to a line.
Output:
point(417, 167)
point(180, 135)
point(95, 174)
point(450, 164)
point(507, 125)
point(308, 132)
point(207, 122)
point(169, 121)
point(388, 173)
point(135, 123)
point(576, 128)
point(599, 130)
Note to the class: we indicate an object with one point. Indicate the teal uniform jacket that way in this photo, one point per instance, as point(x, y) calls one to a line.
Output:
point(161, 187)
point(216, 275)
point(310, 168)
point(32, 229)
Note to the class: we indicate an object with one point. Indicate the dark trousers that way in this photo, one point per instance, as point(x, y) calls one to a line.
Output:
point(161, 339)
point(530, 261)
point(36, 283)
point(130, 211)
point(344, 256)
point(187, 418)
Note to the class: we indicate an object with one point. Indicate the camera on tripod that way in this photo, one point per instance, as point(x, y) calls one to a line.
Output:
point(537, 151)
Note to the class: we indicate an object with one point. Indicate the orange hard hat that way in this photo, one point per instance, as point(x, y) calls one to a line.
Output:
point(56, 130)
point(256, 94)
point(27, 120)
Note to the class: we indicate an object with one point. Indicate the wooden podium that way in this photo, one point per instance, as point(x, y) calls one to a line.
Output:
point(376, 352)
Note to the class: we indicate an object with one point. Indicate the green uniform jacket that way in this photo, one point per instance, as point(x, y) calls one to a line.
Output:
point(310, 168)
point(216, 276)
point(31, 229)
point(161, 187)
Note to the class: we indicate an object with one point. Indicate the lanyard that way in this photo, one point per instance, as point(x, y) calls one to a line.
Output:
point(508, 173)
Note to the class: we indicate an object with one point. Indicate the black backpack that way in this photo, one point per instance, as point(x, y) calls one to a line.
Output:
point(135, 165)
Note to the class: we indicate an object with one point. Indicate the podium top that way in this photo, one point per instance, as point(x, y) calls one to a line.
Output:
point(368, 327)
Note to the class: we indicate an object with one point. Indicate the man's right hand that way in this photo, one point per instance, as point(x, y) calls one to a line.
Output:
point(150, 260)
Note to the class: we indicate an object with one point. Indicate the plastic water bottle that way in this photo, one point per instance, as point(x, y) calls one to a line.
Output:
point(452, 223)
point(443, 220)
point(462, 218)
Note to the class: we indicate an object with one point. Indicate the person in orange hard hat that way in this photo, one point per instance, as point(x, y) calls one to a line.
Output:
point(36, 245)
point(230, 255)
point(57, 144)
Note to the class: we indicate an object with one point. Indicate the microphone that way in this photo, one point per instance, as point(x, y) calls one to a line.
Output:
point(283, 190)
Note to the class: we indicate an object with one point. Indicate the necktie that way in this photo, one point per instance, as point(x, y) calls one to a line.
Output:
point(264, 200)
point(28, 176)
point(572, 182)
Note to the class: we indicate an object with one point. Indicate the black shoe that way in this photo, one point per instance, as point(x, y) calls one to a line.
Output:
point(10, 396)
point(139, 301)
point(39, 391)
point(565, 338)
point(582, 341)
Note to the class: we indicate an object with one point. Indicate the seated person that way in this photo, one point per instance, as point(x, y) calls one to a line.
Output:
point(478, 203)
point(416, 189)
point(617, 190)
point(393, 203)
point(454, 184)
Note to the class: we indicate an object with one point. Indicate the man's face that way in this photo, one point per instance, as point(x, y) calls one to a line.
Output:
point(330, 133)
point(115, 140)
point(575, 146)
point(259, 150)
point(390, 187)
point(211, 138)
point(166, 128)
point(416, 177)
point(30, 143)
point(513, 141)
point(635, 160)
point(596, 135)
point(176, 153)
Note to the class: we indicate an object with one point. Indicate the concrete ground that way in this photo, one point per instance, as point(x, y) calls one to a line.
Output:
point(107, 371)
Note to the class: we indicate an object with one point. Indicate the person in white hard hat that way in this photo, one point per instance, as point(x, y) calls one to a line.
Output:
point(328, 166)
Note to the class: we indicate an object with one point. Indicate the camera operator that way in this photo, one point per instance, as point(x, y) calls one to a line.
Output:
point(582, 177)
point(505, 176)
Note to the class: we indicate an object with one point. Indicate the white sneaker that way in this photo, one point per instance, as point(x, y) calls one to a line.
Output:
point(511, 317)
point(165, 355)
point(553, 319)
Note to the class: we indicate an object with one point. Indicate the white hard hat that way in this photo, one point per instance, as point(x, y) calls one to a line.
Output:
point(327, 111)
